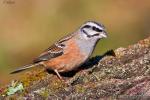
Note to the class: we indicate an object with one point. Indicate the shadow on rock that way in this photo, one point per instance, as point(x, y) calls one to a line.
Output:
point(89, 64)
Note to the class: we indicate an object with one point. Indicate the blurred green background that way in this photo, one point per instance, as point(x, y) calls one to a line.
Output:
point(27, 27)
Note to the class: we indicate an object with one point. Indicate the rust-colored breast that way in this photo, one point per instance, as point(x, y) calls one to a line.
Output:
point(70, 60)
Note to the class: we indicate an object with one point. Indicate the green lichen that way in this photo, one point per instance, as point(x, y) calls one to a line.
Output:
point(80, 89)
point(15, 87)
point(29, 78)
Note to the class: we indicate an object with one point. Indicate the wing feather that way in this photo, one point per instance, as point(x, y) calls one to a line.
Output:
point(51, 52)
point(54, 51)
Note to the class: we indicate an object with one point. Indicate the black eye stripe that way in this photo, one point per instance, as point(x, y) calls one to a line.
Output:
point(96, 29)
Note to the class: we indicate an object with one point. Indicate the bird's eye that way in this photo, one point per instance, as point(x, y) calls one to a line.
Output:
point(96, 29)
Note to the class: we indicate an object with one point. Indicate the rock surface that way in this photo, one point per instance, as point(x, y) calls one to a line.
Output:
point(123, 75)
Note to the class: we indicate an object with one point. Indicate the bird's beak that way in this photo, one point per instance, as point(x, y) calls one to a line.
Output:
point(104, 34)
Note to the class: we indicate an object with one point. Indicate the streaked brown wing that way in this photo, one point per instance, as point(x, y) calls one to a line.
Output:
point(54, 50)
point(51, 52)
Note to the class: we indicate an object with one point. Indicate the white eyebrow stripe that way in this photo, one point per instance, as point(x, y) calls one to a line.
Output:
point(95, 25)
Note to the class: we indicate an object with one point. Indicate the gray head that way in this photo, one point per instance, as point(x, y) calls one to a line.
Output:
point(93, 30)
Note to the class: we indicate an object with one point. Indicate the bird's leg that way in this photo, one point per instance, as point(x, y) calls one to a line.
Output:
point(58, 74)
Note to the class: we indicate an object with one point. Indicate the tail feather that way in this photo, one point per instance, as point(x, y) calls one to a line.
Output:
point(24, 68)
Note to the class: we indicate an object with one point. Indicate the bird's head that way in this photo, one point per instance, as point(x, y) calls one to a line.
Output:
point(93, 30)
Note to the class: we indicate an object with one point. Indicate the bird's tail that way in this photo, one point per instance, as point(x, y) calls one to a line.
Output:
point(24, 68)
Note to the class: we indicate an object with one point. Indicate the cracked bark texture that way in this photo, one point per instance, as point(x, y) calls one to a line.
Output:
point(121, 75)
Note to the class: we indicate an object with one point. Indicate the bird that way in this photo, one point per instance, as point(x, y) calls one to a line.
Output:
point(71, 51)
